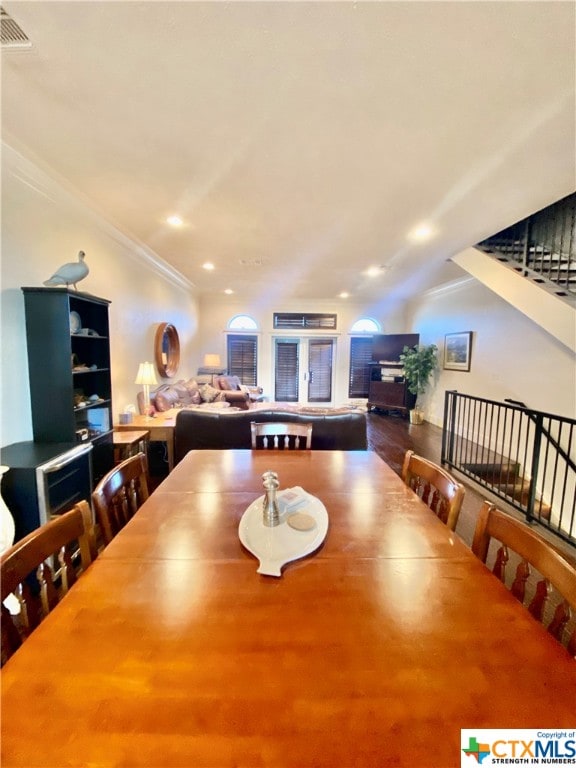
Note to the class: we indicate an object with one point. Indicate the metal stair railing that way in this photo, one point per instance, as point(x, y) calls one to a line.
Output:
point(523, 456)
point(542, 246)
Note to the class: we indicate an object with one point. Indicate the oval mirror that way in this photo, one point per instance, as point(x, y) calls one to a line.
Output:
point(167, 350)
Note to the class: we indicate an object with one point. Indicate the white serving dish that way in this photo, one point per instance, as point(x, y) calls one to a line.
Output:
point(274, 547)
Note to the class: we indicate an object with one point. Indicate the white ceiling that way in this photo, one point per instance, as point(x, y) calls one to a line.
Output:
point(300, 141)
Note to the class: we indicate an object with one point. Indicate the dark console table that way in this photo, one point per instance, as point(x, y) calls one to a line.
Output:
point(392, 393)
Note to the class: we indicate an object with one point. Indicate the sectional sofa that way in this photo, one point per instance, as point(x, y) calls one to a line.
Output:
point(202, 390)
point(332, 428)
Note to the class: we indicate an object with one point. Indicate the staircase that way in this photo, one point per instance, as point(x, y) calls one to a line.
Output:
point(532, 266)
point(526, 457)
point(508, 481)
point(523, 456)
point(503, 476)
point(555, 314)
point(554, 271)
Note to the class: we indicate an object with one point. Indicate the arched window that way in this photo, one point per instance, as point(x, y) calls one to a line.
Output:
point(366, 325)
point(242, 323)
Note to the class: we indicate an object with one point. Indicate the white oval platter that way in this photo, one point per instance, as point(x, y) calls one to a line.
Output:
point(274, 547)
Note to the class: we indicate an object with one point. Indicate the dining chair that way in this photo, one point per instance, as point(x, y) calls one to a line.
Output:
point(40, 568)
point(284, 434)
point(119, 494)
point(533, 553)
point(436, 487)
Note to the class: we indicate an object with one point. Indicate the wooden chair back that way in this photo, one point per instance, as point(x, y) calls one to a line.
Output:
point(536, 553)
point(436, 487)
point(40, 569)
point(119, 495)
point(275, 434)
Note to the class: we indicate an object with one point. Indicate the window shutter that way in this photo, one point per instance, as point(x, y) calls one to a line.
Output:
point(320, 366)
point(242, 358)
point(286, 376)
point(360, 359)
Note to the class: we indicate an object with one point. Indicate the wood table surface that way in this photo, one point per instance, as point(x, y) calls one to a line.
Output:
point(374, 651)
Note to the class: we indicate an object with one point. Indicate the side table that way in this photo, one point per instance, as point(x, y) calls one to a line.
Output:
point(130, 442)
point(160, 427)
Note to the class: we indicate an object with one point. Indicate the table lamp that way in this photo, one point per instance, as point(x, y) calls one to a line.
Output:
point(146, 377)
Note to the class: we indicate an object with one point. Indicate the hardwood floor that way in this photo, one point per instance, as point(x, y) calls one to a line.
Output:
point(390, 436)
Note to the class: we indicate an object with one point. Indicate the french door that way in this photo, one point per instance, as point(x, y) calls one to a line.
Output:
point(303, 370)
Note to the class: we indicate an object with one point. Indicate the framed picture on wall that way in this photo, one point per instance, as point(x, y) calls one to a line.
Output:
point(457, 351)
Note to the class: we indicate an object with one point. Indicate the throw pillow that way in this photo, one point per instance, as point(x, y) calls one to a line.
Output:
point(209, 394)
point(193, 393)
point(183, 392)
point(231, 383)
point(166, 397)
point(189, 394)
point(224, 383)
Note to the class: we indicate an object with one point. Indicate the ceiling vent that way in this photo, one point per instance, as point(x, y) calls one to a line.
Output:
point(11, 34)
point(255, 262)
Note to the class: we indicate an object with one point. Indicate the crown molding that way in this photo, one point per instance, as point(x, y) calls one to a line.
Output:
point(33, 173)
point(451, 287)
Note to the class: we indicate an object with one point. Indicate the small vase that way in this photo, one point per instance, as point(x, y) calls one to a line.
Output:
point(6, 520)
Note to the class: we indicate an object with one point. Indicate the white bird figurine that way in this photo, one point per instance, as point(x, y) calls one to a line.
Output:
point(71, 273)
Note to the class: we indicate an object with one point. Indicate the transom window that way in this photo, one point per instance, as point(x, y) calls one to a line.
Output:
point(295, 321)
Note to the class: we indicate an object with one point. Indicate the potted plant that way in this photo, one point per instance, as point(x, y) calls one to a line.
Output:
point(418, 362)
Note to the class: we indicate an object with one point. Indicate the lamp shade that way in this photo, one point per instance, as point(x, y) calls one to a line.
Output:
point(146, 374)
point(212, 361)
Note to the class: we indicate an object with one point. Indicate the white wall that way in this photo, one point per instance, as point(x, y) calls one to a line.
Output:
point(512, 357)
point(44, 226)
point(215, 315)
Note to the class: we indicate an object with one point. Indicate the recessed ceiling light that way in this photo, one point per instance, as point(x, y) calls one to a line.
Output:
point(228, 291)
point(174, 221)
point(420, 233)
point(344, 295)
point(208, 265)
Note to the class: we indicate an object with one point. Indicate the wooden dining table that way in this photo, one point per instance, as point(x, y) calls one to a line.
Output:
point(375, 650)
